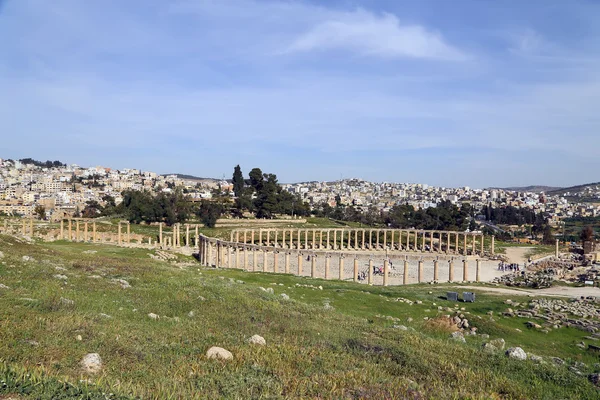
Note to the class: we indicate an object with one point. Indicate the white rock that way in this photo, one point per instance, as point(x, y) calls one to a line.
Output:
point(27, 258)
point(257, 339)
point(66, 302)
point(3, 286)
point(1, 254)
point(191, 314)
point(61, 277)
point(517, 353)
point(153, 316)
point(285, 296)
point(218, 353)
point(78, 338)
point(458, 336)
point(124, 284)
point(91, 363)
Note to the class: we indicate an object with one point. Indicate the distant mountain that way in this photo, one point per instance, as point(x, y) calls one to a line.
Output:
point(572, 189)
point(193, 178)
point(531, 189)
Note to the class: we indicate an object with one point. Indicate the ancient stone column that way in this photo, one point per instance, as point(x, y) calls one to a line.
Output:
point(473, 237)
point(555, 248)
point(237, 257)
point(62, 228)
point(306, 238)
point(287, 262)
point(254, 259)
point(384, 239)
point(298, 247)
point(392, 239)
point(370, 273)
point(465, 270)
point(423, 242)
point(275, 242)
point(245, 234)
point(313, 266)
point(334, 239)
point(407, 240)
point(85, 231)
point(447, 242)
point(327, 244)
point(456, 248)
point(342, 239)
point(313, 239)
point(377, 241)
point(260, 237)
point(265, 259)
point(268, 235)
point(435, 270)
point(275, 261)
point(386, 272)
point(465, 247)
point(95, 237)
point(70, 231)
point(78, 236)
point(363, 239)
point(128, 232)
point(355, 269)
point(327, 259)
point(477, 270)
point(416, 241)
point(187, 237)
point(160, 233)
point(451, 270)
point(405, 277)
point(299, 264)
point(119, 234)
point(370, 239)
point(245, 258)
point(320, 239)
point(482, 238)
point(252, 236)
point(31, 227)
point(420, 271)
point(341, 267)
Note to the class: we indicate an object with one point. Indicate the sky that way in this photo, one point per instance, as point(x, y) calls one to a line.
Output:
point(448, 93)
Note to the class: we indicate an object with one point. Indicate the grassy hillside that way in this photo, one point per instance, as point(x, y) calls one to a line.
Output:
point(329, 340)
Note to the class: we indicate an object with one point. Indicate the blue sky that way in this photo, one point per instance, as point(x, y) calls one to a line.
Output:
point(449, 93)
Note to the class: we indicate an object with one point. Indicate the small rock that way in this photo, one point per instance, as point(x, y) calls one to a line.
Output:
point(488, 348)
point(91, 363)
point(191, 314)
point(27, 258)
point(3, 286)
point(201, 298)
point(1, 254)
point(66, 302)
point(257, 339)
point(124, 284)
point(153, 316)
point(61, 277)
point(498, 343)
point(536, 359)
point(458, 336)
point(557, 361)
point(409, 319)
point(104, 315)
point(218, 353)
point(595, 379)
point(516, 353)
point(285, 296)
point(78, 338)
point(401, 327)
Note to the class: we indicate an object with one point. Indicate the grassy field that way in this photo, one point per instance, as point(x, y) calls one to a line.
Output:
point(335, 342)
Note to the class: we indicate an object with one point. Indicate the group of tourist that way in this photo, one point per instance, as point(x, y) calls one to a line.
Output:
point(512, 267)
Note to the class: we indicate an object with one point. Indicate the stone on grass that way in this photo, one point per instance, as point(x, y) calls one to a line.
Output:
point(61, 277)
point(191, 314)
point(557, 361)
point(27, 258)
point(516, 353)
point(534, 358)
point(257, 339)
point(489, 348)
point(91, 363)
point(66, 302)
point(218, 353)
point(401, 327)
point(595, 379)
point(124, 284)
point(458, 336)
point(498, 343)
point(153, 316)
point(3, 286)
point(1, 254)
point(285, 296)
point(78, 338)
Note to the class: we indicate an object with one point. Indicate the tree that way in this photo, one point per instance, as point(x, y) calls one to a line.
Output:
point(256, 179)
point(548, 238)
point(238, 181)
point(209, 212)
point(40, 211)
point(587, 234)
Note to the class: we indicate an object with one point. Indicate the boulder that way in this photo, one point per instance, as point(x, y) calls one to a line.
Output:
point(285, 296)
point(123, 283)
point(153, 316)
point(257, 339)
point(218, 353)
point(498, 343)
point(516, 353)
point(91, 363)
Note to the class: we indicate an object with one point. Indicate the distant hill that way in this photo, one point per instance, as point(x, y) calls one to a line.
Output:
point(572, 189)
point(531, 189)
point(194, 178)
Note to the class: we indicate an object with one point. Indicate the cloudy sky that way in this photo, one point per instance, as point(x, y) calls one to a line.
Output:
point(449, 93)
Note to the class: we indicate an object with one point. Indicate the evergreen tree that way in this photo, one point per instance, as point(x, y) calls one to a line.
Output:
point(238, 181)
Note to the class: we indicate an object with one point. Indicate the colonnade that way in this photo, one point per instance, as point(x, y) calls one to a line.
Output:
point(448, 242)
point(252, 257)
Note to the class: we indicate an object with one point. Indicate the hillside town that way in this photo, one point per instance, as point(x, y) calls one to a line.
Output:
point(64, 190)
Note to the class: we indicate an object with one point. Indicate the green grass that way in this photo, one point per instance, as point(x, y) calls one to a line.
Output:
point(350, 351)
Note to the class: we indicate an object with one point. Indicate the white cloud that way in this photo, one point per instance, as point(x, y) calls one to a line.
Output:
point(370, 34)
